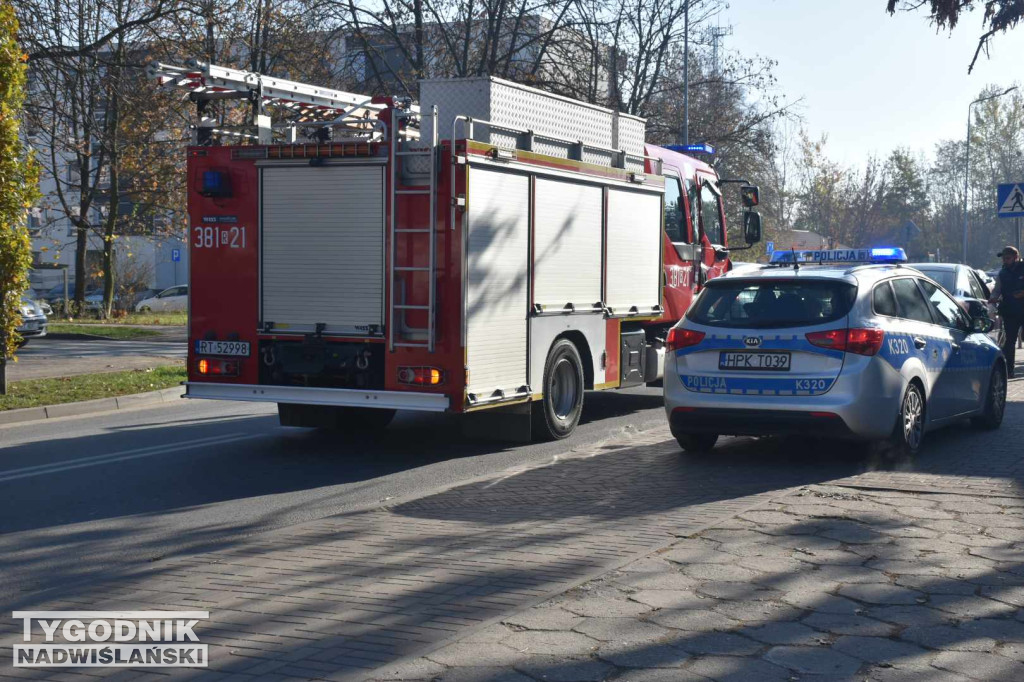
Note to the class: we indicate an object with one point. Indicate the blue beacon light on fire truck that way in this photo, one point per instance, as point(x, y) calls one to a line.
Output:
point(702, 148)
point(878, 255)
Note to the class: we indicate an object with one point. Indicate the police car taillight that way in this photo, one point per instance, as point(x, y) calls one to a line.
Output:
point(682, 338)
point(859, 341)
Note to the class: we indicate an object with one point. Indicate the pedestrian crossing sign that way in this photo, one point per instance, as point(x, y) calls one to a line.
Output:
point(1010, 200)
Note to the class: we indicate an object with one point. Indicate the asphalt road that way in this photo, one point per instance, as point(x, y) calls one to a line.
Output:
point(92, 496)
point(48, 357)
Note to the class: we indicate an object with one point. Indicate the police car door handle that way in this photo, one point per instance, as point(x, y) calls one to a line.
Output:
point(919, 343)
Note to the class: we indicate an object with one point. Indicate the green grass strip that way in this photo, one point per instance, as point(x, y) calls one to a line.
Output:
point(38, 392)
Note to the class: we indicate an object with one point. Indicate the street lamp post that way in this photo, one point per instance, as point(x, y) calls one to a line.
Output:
point(967, 170)
point(686, 72)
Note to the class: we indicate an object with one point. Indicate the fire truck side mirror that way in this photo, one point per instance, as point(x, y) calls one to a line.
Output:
point(750, 195)
point(752, 227)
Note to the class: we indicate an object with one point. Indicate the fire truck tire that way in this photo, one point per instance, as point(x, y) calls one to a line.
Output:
point(360, 419)
point(557, 414)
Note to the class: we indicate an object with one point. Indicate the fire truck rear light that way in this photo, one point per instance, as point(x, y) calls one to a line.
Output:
point(218, 368)
point(682, 338)
point(420, 376)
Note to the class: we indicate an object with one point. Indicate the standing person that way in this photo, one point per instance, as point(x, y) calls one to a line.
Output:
point(1009, 291)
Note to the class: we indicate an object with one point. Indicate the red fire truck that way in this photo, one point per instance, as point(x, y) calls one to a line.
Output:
point(495, 249)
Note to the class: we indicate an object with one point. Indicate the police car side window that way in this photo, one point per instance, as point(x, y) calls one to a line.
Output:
point(911, 302)
point(946, 310)
point(883, 301)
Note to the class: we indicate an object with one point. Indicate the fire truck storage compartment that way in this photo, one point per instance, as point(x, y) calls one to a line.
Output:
point(634, 252)
point(567, 244)
point(633, 357)
point(322, 248)
point(497, 251)
point(524, 108)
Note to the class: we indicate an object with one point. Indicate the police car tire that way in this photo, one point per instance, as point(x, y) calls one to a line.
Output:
point(992, 417)
point(899, 445)
point(546, 422)
point(697, 442)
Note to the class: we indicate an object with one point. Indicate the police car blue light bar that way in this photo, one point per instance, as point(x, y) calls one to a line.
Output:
point(703, 148)
point(883, 254)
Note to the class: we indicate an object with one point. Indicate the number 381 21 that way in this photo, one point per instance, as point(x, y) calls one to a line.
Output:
point(218, 237)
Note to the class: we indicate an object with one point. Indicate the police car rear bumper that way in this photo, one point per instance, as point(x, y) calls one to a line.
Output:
point(744, 422)
point(864, 400)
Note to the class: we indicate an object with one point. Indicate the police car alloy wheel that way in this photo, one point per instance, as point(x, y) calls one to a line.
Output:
point(910, 426)
point(995, 401)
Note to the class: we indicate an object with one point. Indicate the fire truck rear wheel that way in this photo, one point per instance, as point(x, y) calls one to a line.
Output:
point(558, 413)
point(359, 419)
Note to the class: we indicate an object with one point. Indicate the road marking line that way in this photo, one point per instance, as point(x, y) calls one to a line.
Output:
point(97, 460)
point(107, 455)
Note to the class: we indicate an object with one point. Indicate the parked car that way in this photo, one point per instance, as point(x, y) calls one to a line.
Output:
point(173, 299)
point(55, 297)
point(33, 321)
point(968, 288)
point(988, 280)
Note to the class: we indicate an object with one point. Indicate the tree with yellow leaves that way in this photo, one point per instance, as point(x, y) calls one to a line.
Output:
point(18, 188)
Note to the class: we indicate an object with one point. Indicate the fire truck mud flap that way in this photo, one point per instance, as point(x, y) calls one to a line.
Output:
point(302, 395)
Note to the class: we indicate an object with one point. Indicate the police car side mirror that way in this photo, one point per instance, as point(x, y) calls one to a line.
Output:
point(976, 308)
point(981, 325)
point(752, 227)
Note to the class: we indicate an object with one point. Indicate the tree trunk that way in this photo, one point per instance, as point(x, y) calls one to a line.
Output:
point(3, 366)
point(81, 245)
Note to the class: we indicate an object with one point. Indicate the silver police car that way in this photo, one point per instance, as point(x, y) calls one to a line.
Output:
point(836, 343)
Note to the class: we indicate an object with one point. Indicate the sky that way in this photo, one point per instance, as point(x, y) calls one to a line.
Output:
point(869, 80)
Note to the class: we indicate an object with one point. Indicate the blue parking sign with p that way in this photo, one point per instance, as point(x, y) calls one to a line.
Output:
point(175, 255)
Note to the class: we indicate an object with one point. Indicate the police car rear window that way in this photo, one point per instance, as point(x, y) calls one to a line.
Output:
point(766, 304)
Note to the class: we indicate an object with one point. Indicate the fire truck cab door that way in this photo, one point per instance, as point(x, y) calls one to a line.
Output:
point(682, 253)
point(712, 222)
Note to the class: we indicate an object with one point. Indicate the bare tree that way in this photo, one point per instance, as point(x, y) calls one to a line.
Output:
point(1000, 16)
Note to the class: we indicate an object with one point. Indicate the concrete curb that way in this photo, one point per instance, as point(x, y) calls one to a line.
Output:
point(75, 336)
point(31, 414)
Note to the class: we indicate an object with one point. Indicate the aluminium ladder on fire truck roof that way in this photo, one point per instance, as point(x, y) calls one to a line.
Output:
point(309, 104)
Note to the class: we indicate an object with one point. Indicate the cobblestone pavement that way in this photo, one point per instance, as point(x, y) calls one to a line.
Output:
point(827, 582)
point(627, 561)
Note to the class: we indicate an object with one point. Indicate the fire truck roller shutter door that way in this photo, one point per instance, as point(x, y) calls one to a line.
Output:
point(567, 244)
point(497, 282)
point(634, 251)
point(322, 248)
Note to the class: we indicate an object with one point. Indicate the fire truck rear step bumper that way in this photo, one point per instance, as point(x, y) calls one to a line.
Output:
point(395, 400)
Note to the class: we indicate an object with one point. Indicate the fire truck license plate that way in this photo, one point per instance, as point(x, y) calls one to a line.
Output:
point(239, 348)
point(754, 360)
